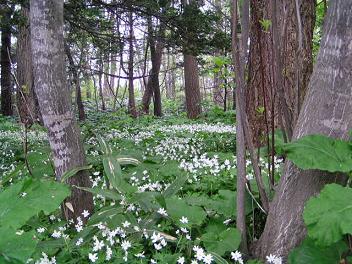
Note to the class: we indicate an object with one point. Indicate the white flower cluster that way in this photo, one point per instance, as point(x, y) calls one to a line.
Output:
point(203, 164)
point(273, 259)
point(176, 148)
point(45, 260)
point(194, 128)
point(144, 183)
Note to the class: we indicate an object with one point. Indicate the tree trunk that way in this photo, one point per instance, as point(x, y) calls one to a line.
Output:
point(46, 21)
point(80, 106)
point(27, 103)
point(101, 94)
point(192, 90)
point(327, 110)
point(263, 97)
point(153, 86)
point(6, 89)
point(131, 100)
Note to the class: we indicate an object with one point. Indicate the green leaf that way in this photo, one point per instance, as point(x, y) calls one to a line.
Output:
point(104, 147)
point(309, 252)
point(113, 171)
point(266, 23)
point(329, 215)
point(73, 172)
point(320, 152)
point(178, 208)
point(125, 160)
point(103, 215)
point(175, 186)
point(14, 246)
point(218, 259)
point(220, 243)
point(111, 194)
point(29, 198)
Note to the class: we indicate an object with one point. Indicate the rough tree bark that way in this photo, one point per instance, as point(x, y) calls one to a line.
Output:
point(46, 21)
point(192, 90)
point(327, 109)
point(263, 104)
point(27, 103)
point(6, 89)
point(191, 75)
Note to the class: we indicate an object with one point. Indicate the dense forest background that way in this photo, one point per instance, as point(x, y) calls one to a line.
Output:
point(191, 131)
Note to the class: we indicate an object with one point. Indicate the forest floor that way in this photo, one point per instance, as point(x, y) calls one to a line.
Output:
point(174, 200)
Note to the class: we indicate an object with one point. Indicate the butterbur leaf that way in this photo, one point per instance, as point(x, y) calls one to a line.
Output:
point(16, 246)
point(178, 208)
point(309, 252)
point(329, 215)
point(175, 186)
point(320, 152)
point(220, 243)
point(29, 198)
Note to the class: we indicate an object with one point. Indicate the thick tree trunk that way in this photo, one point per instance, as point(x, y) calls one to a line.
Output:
point(297, 62)
point(77, 82)
point(27, 102)
point(263, 97)
point(6, 88)
point(259, 95)
point(46, 21)
point(192, 91)
point(327, 109)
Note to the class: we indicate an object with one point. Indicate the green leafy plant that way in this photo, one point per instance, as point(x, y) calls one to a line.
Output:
point(18, 204)
point(320, 152)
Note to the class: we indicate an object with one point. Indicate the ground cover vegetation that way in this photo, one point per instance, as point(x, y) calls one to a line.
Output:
point(176, 131)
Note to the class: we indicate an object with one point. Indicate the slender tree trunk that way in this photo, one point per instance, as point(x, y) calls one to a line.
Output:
point(101, 94)
point(46, 21)
point(326, 110)
point(6, 87)
point(131, 100)
point(80, 106)
point(153, 86)
point(27, 102)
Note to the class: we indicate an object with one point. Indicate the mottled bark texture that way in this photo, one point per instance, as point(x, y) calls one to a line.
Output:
point(27, 103)
point(46, 21)
point(6, 88)
point(327, 109)
point(263, 102)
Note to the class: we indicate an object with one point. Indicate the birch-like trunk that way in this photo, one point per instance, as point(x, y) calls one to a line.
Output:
point(46, 21)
